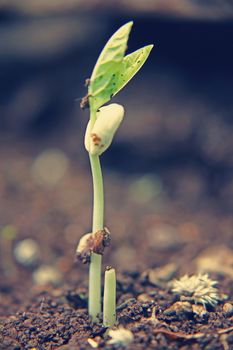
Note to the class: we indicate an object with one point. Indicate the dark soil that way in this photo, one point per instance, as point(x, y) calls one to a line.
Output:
point(58, 319)
point(172, 233)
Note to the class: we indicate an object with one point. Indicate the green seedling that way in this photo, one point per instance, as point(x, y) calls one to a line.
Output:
point(113, 70)
point(109, 311)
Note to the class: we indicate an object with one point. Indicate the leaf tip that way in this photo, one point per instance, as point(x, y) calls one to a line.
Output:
point(128, 25)
point(150, 47)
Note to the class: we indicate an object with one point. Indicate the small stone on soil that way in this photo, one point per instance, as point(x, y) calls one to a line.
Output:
point(144, 297)
point(228, 309)
point(200, 311)
point(93, 343)
point(180, 309)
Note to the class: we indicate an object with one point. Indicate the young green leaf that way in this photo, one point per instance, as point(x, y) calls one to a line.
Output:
point(131, 65)
point(108, 65)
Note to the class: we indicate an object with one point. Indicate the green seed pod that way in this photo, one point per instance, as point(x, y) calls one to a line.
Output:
point(108, 121)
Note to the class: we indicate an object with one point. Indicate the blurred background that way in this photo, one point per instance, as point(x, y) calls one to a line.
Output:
point(169, 172)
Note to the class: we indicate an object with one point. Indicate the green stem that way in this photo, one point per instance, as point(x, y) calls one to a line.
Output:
point(109, 314)
point(98, 201)
point(94, 306)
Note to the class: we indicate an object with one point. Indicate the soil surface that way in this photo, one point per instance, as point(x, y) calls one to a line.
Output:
point(157, 235)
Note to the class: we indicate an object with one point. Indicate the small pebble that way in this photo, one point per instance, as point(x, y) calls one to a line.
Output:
point(180, 308)
point(228, 309)
point(144, 297)
point(27, 252)
point(92, 343)
point(125, 304)
point(200, 311)
point(46, 274)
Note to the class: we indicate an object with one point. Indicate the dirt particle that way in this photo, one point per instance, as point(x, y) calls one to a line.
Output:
point(228, 309)
point(200, 311)
point(180, 309)
point(77, 299)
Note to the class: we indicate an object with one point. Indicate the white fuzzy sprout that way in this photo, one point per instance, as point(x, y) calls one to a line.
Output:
point(199, 289)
